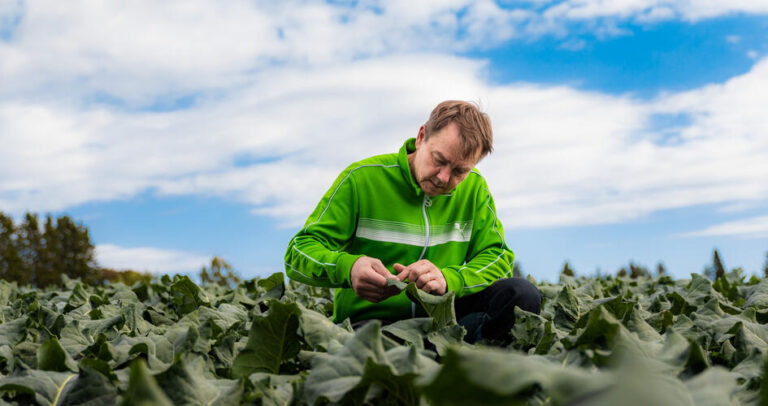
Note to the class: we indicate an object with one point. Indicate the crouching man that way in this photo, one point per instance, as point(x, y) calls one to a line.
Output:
point(423, 215)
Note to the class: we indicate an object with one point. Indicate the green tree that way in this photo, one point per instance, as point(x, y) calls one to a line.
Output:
point(765, 265)
point(517, 270)
point(74, 250)
point(220, 272)
point(51, 255)
point(661, 270)
point(716, 269)
point(31, 252)
point(717, 263)
point(567, 270)
point(638, 271)
point(10, 262)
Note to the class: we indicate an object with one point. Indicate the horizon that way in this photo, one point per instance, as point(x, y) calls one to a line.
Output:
point(628, 132)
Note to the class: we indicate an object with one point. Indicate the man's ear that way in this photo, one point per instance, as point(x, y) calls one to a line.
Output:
point(420, 137)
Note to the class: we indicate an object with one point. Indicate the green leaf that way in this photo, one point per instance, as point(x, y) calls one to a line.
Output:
point(334, 375)
point(185, 383)
point(273, 285)
point(411, 331)
point(319, 332)
point(143, 389)
point(390, 387)
point(273, 339)
point(47, 387)
point(713, 387)
point(492, 377)
point(415, 331)
point(77, 298)
point(187, 296)
point(134, 321)
point(14, 331)
point(764, 385)
point(567, 309)
point(52, 357)
point(446, 337)
point(636, 387)
point(440, 308)
point(276, 390)
point(91, 388)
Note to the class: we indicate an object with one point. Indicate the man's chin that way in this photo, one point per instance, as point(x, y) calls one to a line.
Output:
point(432, 190)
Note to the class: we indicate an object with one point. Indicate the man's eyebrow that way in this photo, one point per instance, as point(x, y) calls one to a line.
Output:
point(441, 157)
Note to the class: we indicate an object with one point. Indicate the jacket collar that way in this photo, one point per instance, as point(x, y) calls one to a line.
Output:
point(405, 169)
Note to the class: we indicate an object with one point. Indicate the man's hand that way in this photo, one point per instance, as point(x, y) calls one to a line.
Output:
point(425, 274)
point(369, 280)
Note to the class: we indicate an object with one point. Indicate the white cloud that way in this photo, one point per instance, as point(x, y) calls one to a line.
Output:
point(652, 10)
point(303, 91)
point(147, 259)
point(756, 227)
point(563, 156)
point(137, 52)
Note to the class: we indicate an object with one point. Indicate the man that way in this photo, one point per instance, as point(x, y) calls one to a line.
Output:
point(422, 215)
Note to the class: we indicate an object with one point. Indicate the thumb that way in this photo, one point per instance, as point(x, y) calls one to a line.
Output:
point(399, 267)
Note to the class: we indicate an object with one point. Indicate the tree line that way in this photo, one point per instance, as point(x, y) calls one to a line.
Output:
point(39, 253)
point(712, 271)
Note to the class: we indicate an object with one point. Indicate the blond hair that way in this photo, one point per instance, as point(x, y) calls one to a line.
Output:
point(474, 126)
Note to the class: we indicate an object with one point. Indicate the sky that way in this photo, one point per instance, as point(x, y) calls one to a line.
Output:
point(624, 130)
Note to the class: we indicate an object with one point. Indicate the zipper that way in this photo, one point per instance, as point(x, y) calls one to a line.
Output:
point(426, 203)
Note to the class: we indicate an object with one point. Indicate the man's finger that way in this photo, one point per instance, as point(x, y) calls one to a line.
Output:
point(382, 270)
point(402, 271)
point(424, 279)
point(414, 272)
point(373, 279)
point(431, 286)
point(403, 274)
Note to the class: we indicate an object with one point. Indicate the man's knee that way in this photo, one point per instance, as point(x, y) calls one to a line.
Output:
point(521, 291)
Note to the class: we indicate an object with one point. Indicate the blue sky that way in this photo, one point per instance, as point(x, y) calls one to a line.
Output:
point(624, 131)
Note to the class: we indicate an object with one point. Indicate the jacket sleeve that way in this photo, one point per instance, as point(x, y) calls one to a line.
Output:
point(315, 254)
point(488, 257)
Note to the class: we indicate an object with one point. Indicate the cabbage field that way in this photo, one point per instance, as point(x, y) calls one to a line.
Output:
point(598, 341)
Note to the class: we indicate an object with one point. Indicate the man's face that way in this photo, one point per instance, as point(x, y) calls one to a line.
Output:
point(437, 164)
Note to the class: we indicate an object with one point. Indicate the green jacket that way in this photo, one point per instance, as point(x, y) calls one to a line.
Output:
point(376, 209)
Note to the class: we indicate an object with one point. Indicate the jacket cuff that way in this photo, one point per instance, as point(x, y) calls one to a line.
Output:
point(344, 266)
point(454, 280)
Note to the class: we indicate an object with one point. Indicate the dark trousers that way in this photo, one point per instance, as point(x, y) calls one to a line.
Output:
point(489, 314)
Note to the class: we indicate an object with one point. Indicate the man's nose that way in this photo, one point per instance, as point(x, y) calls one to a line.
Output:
point(444, 175)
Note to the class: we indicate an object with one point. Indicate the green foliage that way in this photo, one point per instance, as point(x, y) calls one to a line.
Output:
point(272, 340)
point(635, 271)
point(765, 266)
point(219, 272)
point(43, 255)
point(717, 268)
point(597, 341)
point(661, 270)
point(567, 270)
